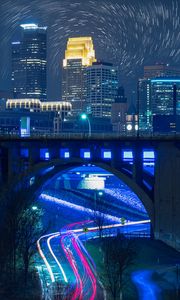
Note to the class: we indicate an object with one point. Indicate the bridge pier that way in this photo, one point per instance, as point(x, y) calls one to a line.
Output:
point(167, 195)
point(138, 166)
point(11, 163)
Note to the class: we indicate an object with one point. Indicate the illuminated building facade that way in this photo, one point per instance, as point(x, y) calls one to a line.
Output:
point(29, 63)
point(102, 89)
point(144, 93)
point(119, 112)
point(165, 96)
point(35, 105)
point(144, 106)
point(157, 97)
point(56, 110)
point(160, 70)
point(79, 55)
point(131, 121)
point(40, 124)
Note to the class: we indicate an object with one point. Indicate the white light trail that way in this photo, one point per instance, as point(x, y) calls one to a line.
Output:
point(54, 256)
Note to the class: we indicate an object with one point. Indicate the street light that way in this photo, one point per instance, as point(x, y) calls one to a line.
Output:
point(96, 194)
point(84, 117)
point(34, 208)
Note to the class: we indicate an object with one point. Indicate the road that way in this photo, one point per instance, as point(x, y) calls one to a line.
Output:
point(78, 269)
point(63, 258)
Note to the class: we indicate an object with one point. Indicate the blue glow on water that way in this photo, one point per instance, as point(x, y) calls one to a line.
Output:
point(147, 289)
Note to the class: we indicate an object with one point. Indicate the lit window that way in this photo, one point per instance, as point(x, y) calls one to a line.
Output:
point(106, 154)
point(127, 155)
point(148, 155)
point(44, 154)
point(64, 153)
point(85, 153)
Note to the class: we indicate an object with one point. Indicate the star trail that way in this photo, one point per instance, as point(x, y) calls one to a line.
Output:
point(127, 33)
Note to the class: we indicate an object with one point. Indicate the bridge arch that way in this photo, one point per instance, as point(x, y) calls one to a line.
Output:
point(44, 172)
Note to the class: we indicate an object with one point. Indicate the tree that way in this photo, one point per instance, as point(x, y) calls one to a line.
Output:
point(29, 230)
point(98, 218)
point(98, 212)
point(14, 200)
point(19, 227)
point(118, 256)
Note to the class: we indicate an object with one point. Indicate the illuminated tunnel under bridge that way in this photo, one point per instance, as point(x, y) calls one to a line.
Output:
point(150, 167)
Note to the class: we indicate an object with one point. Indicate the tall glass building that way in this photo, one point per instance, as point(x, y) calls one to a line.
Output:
point(160, 70)
point(29, 63)
point(144, 105)
point(102, 88)
point(79, 55)
point(147, 105)
point(158, 98)
point(165, 96)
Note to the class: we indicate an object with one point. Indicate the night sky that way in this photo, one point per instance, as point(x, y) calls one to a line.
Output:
point(128, 33)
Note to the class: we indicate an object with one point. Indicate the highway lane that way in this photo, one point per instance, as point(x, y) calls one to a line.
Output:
point(65, 258)
point(82, 274)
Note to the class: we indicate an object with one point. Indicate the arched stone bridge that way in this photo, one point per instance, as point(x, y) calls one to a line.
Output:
point(150, 167)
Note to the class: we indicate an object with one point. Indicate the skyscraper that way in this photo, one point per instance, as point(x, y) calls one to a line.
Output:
point(119, 112)
point(145, 90)
point(158, 97)
point(165, 99)
point(79, 55)
point(102, 88)
point(144, 105)
point(29, 63)
point(165, 96)
point(160, 70)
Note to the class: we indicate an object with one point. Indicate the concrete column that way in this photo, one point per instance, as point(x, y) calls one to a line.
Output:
point(167, 194)
point(11, 164)
point(4, 164)
point(138, 165)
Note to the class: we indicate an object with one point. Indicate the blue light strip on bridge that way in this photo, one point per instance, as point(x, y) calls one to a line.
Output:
point(64, 153)
point(165, 80)
point(85, 153)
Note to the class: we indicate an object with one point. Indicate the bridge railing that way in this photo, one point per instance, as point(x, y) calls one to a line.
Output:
point(81, 135)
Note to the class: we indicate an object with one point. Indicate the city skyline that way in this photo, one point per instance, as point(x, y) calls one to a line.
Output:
point(110, 24)
point(90, 149)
